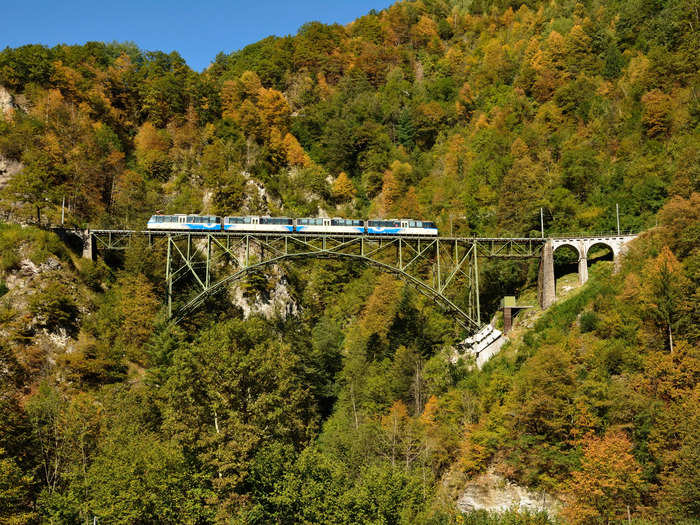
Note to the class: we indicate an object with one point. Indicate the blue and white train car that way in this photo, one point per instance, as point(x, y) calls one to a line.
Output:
point(401, 227)
point(253, 223)
point(337, 225)
point(180, 221)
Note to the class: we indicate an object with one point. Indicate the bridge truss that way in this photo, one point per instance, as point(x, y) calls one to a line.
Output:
point(204, 263)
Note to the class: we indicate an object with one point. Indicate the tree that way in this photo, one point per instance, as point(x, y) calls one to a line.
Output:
point(408, 206)
point(381, 307)
point(152, 151)
point(662, 292)
point(395, 178)
point(126, 317)
point(15, 493)
point(33, 186)
point(229, 193)
point(296, 156)
point(609, 484)
point(656, 115)
point(343, 189)
point(425, 32)
point(136, 477)
point(523, 193)
point(233, 390)
point(578, 49)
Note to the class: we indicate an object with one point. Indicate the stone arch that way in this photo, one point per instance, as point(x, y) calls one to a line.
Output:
point(579, 247)
point(547, 291)
point(611, 246)
point(571, 244)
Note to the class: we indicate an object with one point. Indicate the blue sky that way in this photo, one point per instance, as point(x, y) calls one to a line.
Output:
point(198, 30)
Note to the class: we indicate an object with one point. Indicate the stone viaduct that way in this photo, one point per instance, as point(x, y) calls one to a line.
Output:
point(582, 245)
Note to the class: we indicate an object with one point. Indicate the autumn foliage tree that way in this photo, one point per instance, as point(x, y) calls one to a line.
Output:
point(663, 291)
point(656, 113)
point(609, 485)
point(343, 189)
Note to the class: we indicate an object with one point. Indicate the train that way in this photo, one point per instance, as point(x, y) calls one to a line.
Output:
point(256, 223)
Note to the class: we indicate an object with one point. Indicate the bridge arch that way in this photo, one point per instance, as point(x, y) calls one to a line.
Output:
point(615, 247)
point(573, 245)
point(608, 245)
point(399, 267)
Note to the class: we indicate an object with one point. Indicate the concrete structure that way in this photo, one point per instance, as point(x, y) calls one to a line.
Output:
point(88, 245)
point(483, 345)
point(546, 284)
point(510, 310)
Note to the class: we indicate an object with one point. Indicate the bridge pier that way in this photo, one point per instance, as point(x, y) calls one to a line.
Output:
point(582, 267)
point(88, 245)
point(431, 264)
point(545, 282)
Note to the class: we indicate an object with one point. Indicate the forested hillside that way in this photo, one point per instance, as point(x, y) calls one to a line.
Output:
point(346, 408)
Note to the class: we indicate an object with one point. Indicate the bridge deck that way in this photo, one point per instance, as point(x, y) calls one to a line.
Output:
point(537, 240)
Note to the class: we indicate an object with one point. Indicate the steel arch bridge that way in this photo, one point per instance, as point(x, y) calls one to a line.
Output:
point(444, 269)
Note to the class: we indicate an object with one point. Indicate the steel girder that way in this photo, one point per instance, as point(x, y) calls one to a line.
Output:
point(444, 269)
point(435, 267)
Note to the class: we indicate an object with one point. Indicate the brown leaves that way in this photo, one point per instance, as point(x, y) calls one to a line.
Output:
point(381, 307)
point(656, 115)
point(296, 156)
point(343, 189)
point(609, 483)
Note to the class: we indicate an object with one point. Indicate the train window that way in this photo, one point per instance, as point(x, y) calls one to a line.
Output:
point(275, 220)
point(419, 224)
point(411, 224)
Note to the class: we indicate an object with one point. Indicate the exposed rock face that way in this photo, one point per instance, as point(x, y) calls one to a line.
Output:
point(494, 493)
point(277, 303)
point(8, 167)
point(7, 102)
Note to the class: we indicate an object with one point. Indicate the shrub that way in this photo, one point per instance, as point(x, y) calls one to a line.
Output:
point(589, 322)
point(54, 307)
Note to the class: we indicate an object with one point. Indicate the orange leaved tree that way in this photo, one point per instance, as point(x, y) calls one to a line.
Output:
point(609, 484)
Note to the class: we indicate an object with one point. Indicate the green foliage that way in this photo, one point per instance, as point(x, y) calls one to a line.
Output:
point(511, 517)
point(35, 245)
point(55, 307)
point(473, 114)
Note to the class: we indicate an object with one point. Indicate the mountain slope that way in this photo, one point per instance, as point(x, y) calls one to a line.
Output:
point(349, 410)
